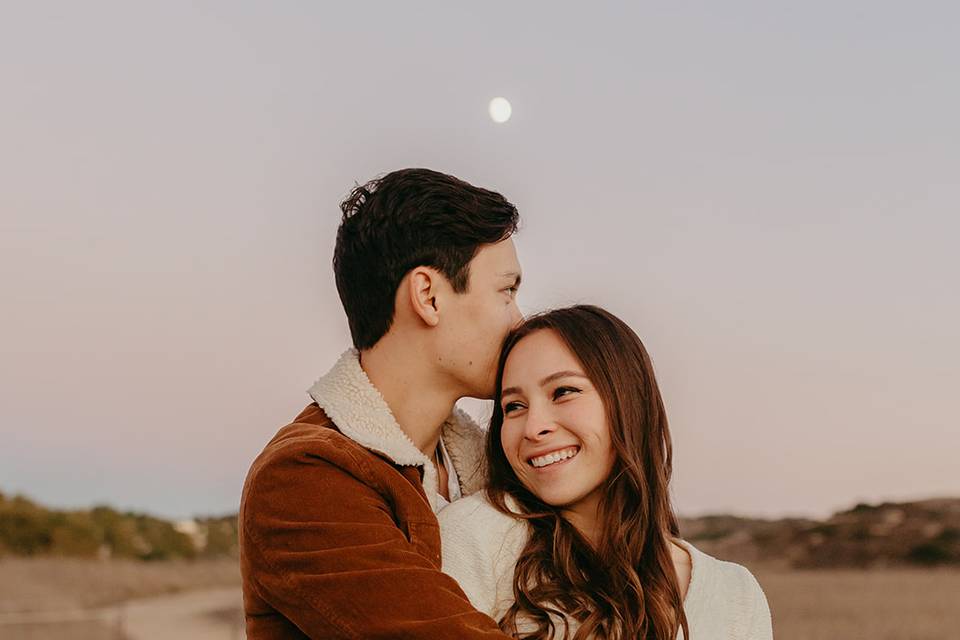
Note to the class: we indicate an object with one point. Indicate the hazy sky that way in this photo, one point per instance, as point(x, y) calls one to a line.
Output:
point(768, 194)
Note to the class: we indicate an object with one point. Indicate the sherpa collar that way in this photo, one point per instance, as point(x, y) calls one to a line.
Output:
point(348, 398)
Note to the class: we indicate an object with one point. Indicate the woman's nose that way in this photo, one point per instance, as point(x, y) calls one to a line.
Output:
point(539, 424)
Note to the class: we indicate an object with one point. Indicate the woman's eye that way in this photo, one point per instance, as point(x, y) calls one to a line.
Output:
point(510, 407)
point(559, 392)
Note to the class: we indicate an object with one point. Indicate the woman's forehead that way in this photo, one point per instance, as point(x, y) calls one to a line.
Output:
point(536, 355)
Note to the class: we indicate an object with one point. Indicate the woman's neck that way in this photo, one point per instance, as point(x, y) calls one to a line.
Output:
point(585, 518)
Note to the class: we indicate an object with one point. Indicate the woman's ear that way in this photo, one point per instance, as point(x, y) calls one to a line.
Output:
point(423, 284)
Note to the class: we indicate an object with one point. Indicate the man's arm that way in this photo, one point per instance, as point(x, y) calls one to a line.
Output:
point(325, 551)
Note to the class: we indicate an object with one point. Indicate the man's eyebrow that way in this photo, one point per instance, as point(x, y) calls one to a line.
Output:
point(550, 378)
point(516, 275)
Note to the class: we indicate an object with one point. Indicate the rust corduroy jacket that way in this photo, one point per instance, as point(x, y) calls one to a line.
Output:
point(338, 533)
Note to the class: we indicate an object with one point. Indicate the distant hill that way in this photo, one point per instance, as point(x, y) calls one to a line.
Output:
point(923, 533)
point(28, 529)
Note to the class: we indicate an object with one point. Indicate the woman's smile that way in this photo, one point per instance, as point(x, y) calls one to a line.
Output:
point(553, 458)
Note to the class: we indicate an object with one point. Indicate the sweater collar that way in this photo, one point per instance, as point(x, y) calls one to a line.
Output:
point(360, 412)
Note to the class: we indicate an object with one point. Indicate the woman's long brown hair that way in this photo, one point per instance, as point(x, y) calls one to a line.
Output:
point(626, 587)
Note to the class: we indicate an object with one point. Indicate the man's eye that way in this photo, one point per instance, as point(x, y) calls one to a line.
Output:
point(559, 392)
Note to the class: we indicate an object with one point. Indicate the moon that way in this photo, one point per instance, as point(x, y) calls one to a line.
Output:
point(500, 110)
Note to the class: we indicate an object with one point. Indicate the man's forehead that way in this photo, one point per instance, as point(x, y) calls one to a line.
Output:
point(499, 259)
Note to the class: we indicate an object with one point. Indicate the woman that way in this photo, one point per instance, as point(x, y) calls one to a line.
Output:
point(575, 536)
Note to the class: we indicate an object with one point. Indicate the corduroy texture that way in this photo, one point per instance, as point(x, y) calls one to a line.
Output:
point(338, 537)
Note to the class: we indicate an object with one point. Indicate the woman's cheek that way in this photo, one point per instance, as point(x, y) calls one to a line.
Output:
point(509, 442)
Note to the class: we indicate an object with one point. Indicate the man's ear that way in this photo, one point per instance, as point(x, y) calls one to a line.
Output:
point(422, 287)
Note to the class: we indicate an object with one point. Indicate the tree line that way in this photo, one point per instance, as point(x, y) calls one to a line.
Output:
point(29, 529)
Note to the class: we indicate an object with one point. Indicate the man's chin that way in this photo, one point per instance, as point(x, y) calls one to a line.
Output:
point(483, 392)
point(479, 396)
point(478, 388)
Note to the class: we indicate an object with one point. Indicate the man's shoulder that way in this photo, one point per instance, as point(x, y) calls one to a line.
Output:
point(312, 439)
point(309, 466)
point(312, 430)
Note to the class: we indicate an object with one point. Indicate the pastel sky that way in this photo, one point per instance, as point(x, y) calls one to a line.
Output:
point(768, 194)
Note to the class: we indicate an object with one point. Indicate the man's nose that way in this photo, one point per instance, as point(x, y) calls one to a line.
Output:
point(517, 315)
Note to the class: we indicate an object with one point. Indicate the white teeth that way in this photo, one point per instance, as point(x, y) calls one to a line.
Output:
point(556, 456)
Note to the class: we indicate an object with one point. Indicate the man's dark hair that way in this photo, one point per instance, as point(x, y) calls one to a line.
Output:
point(406, 219)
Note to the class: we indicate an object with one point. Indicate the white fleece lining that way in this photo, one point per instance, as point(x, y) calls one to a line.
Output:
point(358, 409)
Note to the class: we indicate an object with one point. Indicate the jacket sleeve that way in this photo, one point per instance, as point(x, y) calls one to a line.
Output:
point(323, 549)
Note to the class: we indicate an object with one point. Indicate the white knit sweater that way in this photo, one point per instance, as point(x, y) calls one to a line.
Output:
point(481, 546)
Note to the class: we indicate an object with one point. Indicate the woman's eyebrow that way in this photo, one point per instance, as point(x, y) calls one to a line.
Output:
point(510, 390)
point(561, 374)
point(550, 378)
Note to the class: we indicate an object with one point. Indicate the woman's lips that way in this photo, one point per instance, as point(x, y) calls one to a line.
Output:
point(553, 458)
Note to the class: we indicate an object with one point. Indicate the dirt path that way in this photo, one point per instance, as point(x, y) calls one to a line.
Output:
point(205, 614)
point(212, 614)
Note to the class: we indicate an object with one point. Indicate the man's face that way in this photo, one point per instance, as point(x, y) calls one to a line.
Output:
point(476, 322)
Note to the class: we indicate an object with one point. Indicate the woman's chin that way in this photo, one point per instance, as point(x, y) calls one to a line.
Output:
point(556, 498)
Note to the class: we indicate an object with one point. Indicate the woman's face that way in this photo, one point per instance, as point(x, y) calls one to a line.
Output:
point(555, 434)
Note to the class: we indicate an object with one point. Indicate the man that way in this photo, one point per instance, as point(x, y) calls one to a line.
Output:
point(338, 534)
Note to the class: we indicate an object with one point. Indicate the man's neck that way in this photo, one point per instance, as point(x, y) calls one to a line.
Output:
point(417, 401)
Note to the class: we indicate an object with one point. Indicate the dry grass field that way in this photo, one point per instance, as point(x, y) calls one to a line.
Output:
point(888, 604)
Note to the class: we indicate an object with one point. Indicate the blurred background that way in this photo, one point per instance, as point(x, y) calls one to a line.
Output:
point(766, 192)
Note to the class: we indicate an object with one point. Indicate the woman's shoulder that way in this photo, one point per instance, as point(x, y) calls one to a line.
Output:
point(730, 574)
point(720, 589)
point(480, 546)
point(732, 577)
point(475, 518)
